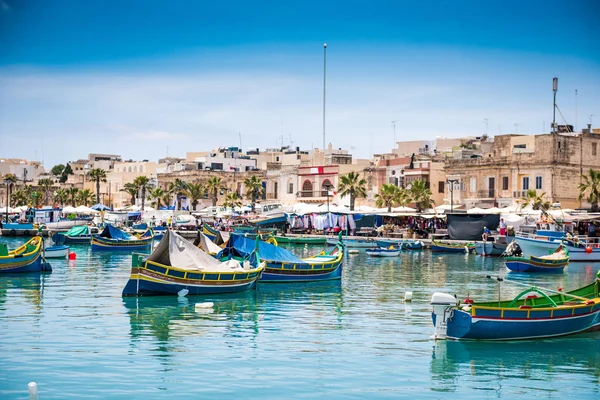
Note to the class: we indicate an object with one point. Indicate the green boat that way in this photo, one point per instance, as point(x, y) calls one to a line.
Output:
point(300, 239)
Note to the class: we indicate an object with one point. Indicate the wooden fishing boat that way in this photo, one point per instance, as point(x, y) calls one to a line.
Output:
point(554, 262)
point(77, 234)
point(451, 247)
point(353, 243)
point(112, 238)
point(392, 251)
point(57, 251)
point(300, 239)
point(176, 266)
point(26, 258)
point(283, 266)
point(534, 313)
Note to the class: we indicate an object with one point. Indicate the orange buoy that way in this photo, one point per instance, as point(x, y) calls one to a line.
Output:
point(588, 249)
point(72, 256)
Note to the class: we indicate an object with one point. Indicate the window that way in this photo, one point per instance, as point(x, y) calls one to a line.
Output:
point(473, 186)
point(526, 183)
point(441, 187)
point(594, 148)
point(307, 189)
point(505, 183)
point(538, 182)
point(290, 188)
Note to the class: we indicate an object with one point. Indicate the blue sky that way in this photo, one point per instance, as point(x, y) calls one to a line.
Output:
point(143, 78)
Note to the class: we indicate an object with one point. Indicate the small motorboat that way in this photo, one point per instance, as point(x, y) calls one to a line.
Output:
point(554, 262)
point(418, 245)
point(392, 251)
point(56, 251)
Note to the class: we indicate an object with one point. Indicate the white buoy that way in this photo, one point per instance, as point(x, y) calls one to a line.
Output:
point(354, 251)
point(408, 296)
point(183, 293)
point(33, 393)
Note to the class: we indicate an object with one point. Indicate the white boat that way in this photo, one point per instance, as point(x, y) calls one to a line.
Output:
point(580, 248)
point(65, 224)
point(56, 251)
point(384, 252)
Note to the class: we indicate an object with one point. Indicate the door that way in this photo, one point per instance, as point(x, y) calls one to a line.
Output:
point(491, 184)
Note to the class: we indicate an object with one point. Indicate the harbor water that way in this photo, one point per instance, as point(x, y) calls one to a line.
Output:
point(72, 333)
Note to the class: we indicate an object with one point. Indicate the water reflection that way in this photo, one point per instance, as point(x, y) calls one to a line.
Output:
point(454, 362)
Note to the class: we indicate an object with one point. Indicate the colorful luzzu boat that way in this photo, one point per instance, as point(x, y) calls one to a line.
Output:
point(554, 262)
point(26, 258)
point(451, 248)
point(112, 238)
point(532, 314)
point(177, 266)
point(283, 266)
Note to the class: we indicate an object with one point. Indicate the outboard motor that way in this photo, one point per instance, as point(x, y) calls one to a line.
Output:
point(443, 309)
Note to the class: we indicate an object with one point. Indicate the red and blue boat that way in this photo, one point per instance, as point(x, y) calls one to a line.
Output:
point(25, 258)
point(533, 314)
point(112, 238)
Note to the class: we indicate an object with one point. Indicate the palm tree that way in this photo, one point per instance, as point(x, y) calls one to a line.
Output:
point(178, 188)
point(35, 198)
point(591, 185)
point(351, 184)
point(132, 190)
point(213, 187)
point(98, 175)
point(156, 195)
point(387, 196)
point(72, 195)
point(45, 185)
point(254, 188)
point(61, 196)
point(85, 197)
point(142, 183)
point(536, 202)
point(19, 198)
point(194, 192)
point(232, 200)
point(420, 194)
point(12, 181)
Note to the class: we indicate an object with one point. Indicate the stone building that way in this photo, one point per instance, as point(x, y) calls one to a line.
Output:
point(549, 163)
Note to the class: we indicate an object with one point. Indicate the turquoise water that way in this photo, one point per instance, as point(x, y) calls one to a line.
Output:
point(72, 333)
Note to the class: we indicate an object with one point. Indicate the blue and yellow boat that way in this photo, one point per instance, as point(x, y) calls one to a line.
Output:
point(26, 258)
point(532, 314)
point(177, 266)
point(283, 266)
point(112, 238)
point(552, 263)
point(442, 247)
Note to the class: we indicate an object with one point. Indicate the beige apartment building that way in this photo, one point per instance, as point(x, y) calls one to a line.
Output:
point(549, 163)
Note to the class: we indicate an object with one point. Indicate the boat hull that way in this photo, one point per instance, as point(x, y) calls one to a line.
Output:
point(301, 240)
point(56, 251)
point(27, 258)
point(383, 253)
point(101, 244)
point(490, 249)
point(523, 324)
point(521, 264)
point(275, 274)
point(537, 247)
point(353, 243)
point(447, 248)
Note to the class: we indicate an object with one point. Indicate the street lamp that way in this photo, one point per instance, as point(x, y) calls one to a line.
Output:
point(327, 187)
point(451, 183)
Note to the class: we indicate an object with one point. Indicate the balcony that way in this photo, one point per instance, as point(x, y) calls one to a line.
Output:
point(315, 193)
point(486, 193)
point(519, 193)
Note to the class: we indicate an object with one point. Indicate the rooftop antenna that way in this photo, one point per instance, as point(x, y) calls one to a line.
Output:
point(554, 89)
point(394, 126)
point(486, 126)
point(517, 127)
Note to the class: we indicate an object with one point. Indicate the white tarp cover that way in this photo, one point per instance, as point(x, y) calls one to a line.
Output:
point(184, 255)
point(208, 245)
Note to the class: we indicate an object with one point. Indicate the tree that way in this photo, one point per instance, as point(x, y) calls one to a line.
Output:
point(420, 195)
point(85, 197)
point(132, 190)
point(35, 198)
point(98, 175)
point(57, 170)
point(12, 181)
point(536, 202)
point(254, 188)
point(177, 188)
point(61, 196)
point(156, 195)
point(387, 196)
point(72, 192)
point(194, 192)
point(65, 174)
point(591, 187)
point(142, 183)
point(352, 185)
point(232, 200)
point(45, 185)
point(213, 187)
point(19, 198)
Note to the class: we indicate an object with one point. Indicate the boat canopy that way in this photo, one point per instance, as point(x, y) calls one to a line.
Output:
point(79, 230)
point(174, 250)
point(111, 232)
point(239, 245)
